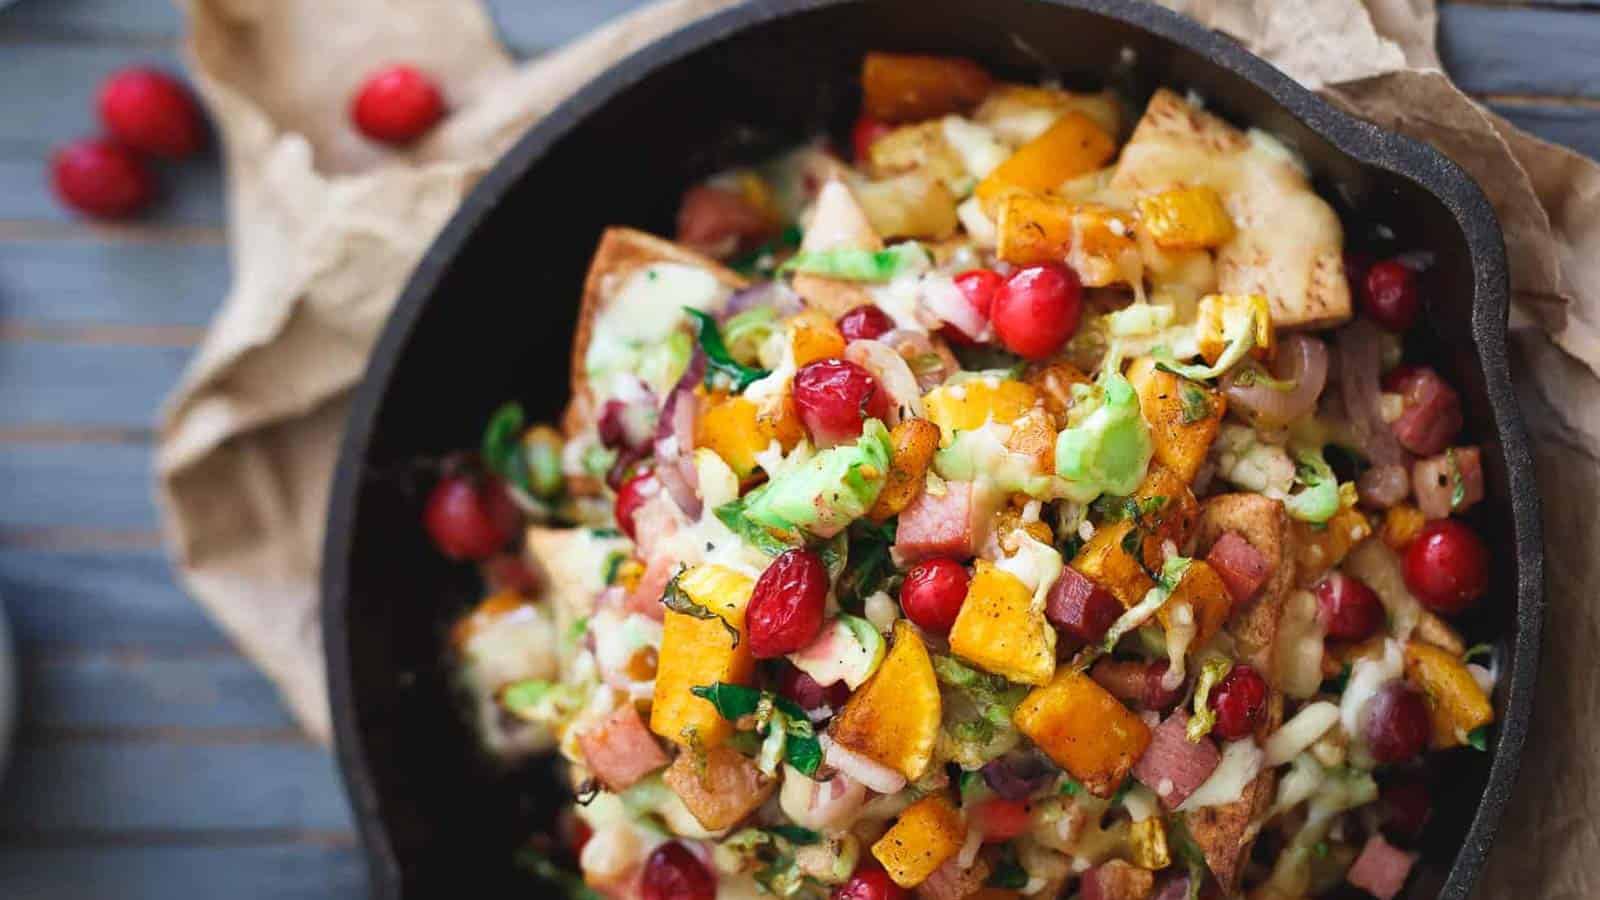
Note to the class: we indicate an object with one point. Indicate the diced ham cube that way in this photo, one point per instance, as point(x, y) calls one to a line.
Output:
point(1136, 682)
point(621, 750)
point(1172, 766)
point(721, 792)
point(1080, 608)
point(1436, 479)
point(1381, 869)
point(947, 525)
point(1117, 880)
point(951, 882)
point(1243, 568)
point(1431, 415)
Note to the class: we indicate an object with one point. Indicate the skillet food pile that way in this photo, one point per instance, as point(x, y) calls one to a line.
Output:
point(1039, 504)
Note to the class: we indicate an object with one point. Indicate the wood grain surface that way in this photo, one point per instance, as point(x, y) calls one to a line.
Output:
point(154, 762)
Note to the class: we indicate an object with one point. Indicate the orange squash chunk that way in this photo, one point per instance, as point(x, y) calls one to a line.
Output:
point(736, 429)
point(1184, 416)
point(1084, 729)
point(814, 336)
point(697, 652)
point(1097, 241)
point(1456, 703)
point(998, 630)
point(1208, 599)
point(927, 834)
point(901, 87)
point(1075, 145)
point(894, 718)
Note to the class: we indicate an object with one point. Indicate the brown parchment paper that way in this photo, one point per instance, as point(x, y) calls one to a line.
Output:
point(324, 228)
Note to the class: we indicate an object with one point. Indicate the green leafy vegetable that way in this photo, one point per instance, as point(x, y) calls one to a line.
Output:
point(1008, 873)
point(578, 628)
point(789, 733)
point(502, 445)
point(869, 565)
point(613, 564)
point(828, 491)
point(744, 334)
point(1320, 849)
point(1458, 485)
point(1477, 651)
point(1109, 450)
point(1070, 786)
point(1196, 405)
point(794, 834)
point(1172, 572)
point(1478, 738)
point(677, 600)
point(732, 514)
point(1319, 499)
point(851, 264)
point(760, 261)
point(718, 359)
point(1256, 376)
point(543, 868)
point(1212, 671)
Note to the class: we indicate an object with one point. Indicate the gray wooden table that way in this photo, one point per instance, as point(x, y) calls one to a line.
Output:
point(155, 762)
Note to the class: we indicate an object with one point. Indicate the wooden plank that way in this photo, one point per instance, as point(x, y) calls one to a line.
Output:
point(191, 194)
point(1577, 127)
point(101, 692)
point(85, 384)
point(300, 871)
point(104, 598)
point(102, 487)
point(1507, 50)
point(94, 282)
point(122, 785)
point(105, 20)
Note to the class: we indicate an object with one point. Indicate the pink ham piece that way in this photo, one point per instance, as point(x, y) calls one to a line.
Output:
point(932, 526)
point(1136, 682)
point(1381, 869)
point(621, 750)
point(719, 222)
point(1381, 487)
point(1117, 880)
point(1172, 766)
point(1243, 568)
point(1435, 480)
point(1079, 608)
point(1431, 416)
point(645, 598)
point(951, 882)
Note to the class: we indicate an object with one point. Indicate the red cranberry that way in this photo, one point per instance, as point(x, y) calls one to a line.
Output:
point(865, 323)
point(470, 517)
point(786, 607)
point(807, 694)
point(1037, 310)
point(1397, 723)
point(397, 105)
point(998, 819)
point(866, 132)
point(933, 592)
point(1447, 566)
point(1389, 295)
point(870, 883)
point(1240, 701)
point(152, 112)
point(1405, 807)
point(674, 873)
point(979, 287)
point(834, 397)
point(1350, 610)
point(101, 178)
point(632, 495)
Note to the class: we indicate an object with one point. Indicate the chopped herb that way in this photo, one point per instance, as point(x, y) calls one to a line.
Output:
point(869, 564)
point(734, 702)
point(1478, 738)
point(1121, 791)
point(613, 564)
point(967, 781)
point(1196, 405)
point(1008, 873)
point(794, 834)
point(502, 445)
point(1458, 484)
point(852, 264)
point(677, 600)
point(1485, 651)
point(718, 359)
point(1069, 545)
point(732, 515)
point(543, 868)
point(1320, 849)
point(1070, 786)
point(578, 629)
point(1255, 376)
point(604, 533)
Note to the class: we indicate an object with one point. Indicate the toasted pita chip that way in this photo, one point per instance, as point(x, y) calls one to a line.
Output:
point(1263, 522)
point(621, 253)
point(1289, 244)
point(1225, 833)
point(838, 222)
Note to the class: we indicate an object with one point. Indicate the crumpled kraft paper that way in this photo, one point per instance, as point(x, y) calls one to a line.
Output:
point(324, 229)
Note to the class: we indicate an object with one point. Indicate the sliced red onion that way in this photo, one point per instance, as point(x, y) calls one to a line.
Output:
point(942, 298)
point(1360, 348)
point(628, 423)
point(875, 776)
point(893, 375)
point(627, 464)
point(783, 300)
point(928, 359)
point(1381, 487)
point(1301, 360)
point(674, 443)
point(1017, 776)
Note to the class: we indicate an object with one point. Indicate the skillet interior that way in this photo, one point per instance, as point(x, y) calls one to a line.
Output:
point(489, 313)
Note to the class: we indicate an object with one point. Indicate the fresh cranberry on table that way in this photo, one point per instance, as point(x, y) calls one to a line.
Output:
point(470, 516)
point(787, 604)
point(998, 819)
point(933, 592)
point(866, 132)
point(150, 111)
point(101, 178)
point(834, 397)
point(870, 882)
point(807, 694)
point(1397, 723)
point(1447, 566)
point(674, 873)
point(1349, 609)
point(979, 287)
point(397, 105)
point(865, 323)
point(1037, 309)
point(1240, 701)
point(1389, 295)
point(632, 495)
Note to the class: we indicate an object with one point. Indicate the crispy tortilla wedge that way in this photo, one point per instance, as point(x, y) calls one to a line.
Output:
point(1263, 522)
point(1289, 244)
point(622, 251)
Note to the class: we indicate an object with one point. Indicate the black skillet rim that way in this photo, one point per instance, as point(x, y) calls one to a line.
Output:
point(1359, 140)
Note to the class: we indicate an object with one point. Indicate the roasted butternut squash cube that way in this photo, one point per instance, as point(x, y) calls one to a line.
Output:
point(696, 652)
point(1184, 416)
point(1206, 595)
point(1054, 380)
point(1105, 562)
point(912, 204)
point(1221, 316)
point(1084, 729)
point(1318, 550)
point(927, 834)
point(1018, 113)
point(901, 87)
point(814, 336)
point(1401, 525)
point(1186, 218)
point(999, 630)
point(736, 429)
point(1456, 703)
point(893, 719)
point(1097, 241)
point(720, 788)
point(969, 404)
point(1075, 145)
point(915, 441)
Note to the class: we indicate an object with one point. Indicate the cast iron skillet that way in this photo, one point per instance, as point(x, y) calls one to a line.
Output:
point(489, 312)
